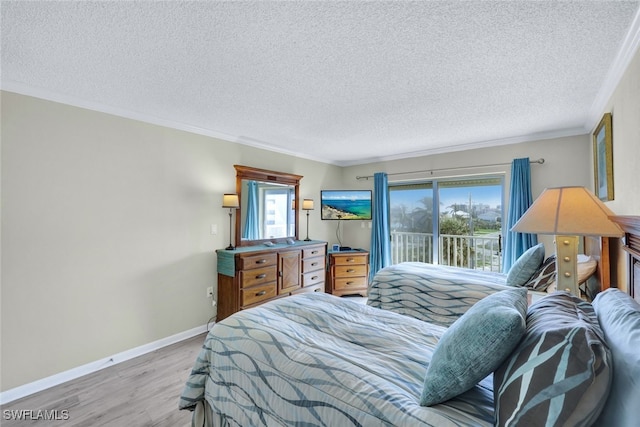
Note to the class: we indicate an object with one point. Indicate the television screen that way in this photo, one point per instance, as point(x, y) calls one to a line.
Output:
point(346, 204)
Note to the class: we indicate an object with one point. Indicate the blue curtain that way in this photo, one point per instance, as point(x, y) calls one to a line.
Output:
point(380, 254)
point(251, 229)
point(515, 244)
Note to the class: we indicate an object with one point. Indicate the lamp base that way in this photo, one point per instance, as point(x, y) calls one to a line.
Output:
point(230, 248)
point(567, 264)
point(307, 239)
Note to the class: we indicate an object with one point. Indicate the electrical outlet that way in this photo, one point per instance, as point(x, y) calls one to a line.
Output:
point(209, 291)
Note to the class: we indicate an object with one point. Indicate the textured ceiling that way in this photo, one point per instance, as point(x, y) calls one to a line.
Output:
point(340, 82)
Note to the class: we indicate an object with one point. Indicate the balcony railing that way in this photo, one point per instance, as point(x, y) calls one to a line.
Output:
point(481, 252)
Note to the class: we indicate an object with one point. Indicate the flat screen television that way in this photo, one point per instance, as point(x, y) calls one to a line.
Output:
point(346, 204)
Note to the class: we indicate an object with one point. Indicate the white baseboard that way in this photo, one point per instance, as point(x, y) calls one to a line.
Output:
point(48, 382)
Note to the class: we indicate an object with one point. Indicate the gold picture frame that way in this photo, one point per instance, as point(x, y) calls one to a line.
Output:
point(603, 158)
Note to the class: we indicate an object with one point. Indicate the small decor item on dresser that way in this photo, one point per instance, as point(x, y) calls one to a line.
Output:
point(232, 202)
point(307, 205)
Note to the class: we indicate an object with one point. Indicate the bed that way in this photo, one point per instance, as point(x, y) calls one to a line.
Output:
point(321, 360)
point(317, 359)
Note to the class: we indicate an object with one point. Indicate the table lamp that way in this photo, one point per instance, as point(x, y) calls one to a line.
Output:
point(307, 205)
point(230, 201)
point(568, 212)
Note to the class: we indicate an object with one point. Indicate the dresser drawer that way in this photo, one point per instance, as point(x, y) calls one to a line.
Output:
point(306, 289)
point(257, 276)
point(350, 259)
point(256, 261)
point(313, 264)
point(349, 270)
point(258, 294)
point(313, 252)
point(343, 284)
point(313, 277)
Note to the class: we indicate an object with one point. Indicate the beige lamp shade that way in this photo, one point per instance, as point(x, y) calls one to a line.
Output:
point(230, 201)
point(568, 211)
point(307, 204)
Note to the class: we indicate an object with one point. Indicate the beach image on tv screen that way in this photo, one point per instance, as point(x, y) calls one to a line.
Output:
point(346, 204)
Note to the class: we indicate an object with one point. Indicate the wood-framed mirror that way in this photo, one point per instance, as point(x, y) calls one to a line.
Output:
point(268, 210)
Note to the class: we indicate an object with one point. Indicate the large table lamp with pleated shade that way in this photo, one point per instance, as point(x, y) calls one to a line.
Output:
point(567, 213)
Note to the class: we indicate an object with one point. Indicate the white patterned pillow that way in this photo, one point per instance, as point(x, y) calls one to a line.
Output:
point(544, 276)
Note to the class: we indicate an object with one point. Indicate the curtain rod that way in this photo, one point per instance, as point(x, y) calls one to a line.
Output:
point(539, 161)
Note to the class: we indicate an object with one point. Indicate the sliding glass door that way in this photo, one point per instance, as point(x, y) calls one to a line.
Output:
point(449, 222)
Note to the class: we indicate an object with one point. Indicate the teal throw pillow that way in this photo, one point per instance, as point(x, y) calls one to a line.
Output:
point(526, 266)
point(475, 345)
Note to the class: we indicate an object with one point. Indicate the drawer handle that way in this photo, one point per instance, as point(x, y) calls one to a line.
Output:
point(351, 270)
point(314, 252)
point(313, 264)
point(314, 277)
point(350, 260)
point(261, 276)
point(261, 261)
point(350, 283)
point(259, 294)
point(316, 290)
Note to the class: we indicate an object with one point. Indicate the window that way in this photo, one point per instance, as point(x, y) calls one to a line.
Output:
point(450, 222)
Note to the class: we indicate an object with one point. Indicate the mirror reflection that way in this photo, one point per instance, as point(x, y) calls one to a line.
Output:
point(268, 210)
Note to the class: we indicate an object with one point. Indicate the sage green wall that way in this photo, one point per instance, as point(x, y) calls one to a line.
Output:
point(567, 162)
point(624, 106)
point(106, 242)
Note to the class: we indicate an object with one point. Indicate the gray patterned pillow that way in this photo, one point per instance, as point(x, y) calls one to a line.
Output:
point(544, 276)
point(560, 373)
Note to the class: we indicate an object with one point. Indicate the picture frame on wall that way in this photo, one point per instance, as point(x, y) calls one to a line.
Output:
point(603, 159)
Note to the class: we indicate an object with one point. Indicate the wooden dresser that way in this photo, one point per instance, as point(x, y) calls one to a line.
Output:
point(348, 272)
point(251, 275)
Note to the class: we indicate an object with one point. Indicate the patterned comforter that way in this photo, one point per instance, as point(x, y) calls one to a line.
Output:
point(320, 360)
point(432, 293)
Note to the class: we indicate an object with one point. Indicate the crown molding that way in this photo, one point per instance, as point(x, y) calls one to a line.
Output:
point(627, 51)
point(22, 89)
point(560, 133)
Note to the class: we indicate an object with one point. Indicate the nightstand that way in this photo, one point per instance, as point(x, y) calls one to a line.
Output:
point(348, 272)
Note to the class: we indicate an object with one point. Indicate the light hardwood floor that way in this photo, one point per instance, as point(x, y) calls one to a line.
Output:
point(139, 392)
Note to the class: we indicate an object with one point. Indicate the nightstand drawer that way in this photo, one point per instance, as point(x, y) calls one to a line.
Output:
point(349, 270)
point(257, 294)
point(256, 261)
point(257, 276)
point(342, 284)
point(350, 259)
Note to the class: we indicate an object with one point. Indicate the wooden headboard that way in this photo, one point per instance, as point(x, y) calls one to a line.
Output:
point(631, 244)
point(599, 249)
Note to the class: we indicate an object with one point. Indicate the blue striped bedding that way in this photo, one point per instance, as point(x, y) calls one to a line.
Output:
point(320, 360)
point(432, 293)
